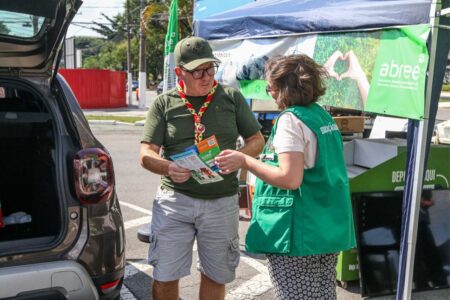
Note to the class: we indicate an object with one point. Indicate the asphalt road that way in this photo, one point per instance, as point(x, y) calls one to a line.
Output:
point(136, 187)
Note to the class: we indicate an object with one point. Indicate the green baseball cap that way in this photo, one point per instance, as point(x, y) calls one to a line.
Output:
point(193, 51)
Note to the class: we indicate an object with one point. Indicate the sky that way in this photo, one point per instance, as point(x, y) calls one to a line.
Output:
point(90, 11)
point(205, 8)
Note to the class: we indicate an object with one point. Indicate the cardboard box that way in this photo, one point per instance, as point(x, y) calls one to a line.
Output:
point(349, 124)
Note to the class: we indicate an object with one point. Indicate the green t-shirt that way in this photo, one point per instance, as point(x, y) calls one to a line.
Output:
point(170, 125)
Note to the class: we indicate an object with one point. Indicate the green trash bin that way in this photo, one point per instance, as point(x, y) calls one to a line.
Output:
point(347, 268)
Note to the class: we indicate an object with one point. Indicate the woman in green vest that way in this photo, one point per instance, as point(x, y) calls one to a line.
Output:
point(301, 215)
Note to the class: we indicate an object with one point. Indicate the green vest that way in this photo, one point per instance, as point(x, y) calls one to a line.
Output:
point(315, 219)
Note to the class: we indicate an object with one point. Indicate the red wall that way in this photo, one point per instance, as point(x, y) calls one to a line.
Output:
point(97, 88)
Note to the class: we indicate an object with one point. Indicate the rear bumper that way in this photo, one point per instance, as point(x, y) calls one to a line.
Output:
point(66, 277)
point(113, 292)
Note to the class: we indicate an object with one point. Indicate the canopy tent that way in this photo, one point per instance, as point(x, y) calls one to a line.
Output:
point(275, 18)
point(268, 18)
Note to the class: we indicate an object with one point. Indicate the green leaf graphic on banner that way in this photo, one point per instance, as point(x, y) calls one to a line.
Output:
point(255, 89)
point(398, 79)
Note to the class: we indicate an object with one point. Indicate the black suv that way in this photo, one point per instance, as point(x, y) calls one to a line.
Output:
point(61, 228)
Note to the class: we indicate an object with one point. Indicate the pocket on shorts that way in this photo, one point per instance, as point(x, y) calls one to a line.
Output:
point(153, 252)
point(234, 253)
point(271, 226)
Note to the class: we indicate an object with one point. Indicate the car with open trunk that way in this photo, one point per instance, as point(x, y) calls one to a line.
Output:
point(61, 229)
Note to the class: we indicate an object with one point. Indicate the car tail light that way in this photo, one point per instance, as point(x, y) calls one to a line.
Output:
point(94, 175)
point(110, 286)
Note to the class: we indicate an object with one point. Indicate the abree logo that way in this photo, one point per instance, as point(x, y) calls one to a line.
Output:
point(394, 70)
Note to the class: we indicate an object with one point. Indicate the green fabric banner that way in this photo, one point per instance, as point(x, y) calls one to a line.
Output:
point(398, 78)
point(255, 89)
point(381, 71)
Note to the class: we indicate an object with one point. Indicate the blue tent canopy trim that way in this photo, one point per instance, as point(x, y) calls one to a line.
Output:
point(268, 18)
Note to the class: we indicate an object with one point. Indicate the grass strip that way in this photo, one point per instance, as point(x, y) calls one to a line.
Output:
point(125, 119)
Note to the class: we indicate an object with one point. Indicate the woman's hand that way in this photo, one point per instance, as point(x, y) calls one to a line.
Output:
point(329, 65)
point(229, 161)
point(354, 71)
point(178, 174)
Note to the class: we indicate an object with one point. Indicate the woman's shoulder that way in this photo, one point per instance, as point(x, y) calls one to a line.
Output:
point(289, 119)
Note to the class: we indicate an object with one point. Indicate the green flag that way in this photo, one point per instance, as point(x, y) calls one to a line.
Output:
point(171, 41)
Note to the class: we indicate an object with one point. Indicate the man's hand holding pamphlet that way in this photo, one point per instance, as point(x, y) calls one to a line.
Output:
point(200, 160)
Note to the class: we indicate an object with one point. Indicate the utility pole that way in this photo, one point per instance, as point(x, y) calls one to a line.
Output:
point(129, 73)
point(142, 62)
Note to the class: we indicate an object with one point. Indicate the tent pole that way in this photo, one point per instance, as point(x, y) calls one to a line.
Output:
point(419, 162)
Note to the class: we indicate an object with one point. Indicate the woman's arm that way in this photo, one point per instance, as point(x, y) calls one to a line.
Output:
point(288, 175)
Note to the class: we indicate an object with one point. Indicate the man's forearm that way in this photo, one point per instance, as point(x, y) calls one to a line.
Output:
point(155, 163)
point(253, 145)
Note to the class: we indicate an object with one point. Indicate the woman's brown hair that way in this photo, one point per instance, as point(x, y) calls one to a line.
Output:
point(297, 78)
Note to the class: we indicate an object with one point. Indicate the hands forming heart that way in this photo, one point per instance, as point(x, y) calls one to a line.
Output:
point(354, 70)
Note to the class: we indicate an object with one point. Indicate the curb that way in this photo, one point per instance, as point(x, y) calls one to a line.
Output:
point(113, 122)
point(445, 95)
point(444, 104)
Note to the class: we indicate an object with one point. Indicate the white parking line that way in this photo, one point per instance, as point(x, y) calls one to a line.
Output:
point(125, 294)
point(133, 267)
point(261, 268)
point(248, 290)
point(137, 222)
point(253, 287)
point(135, 207)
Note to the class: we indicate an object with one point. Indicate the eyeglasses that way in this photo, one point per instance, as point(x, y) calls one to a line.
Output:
point(269, 89)
point(199, 73)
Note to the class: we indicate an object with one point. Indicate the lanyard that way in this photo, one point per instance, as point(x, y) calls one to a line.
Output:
point(199, 128)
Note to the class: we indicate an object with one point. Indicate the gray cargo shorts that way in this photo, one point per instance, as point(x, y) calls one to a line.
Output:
point(178, 220)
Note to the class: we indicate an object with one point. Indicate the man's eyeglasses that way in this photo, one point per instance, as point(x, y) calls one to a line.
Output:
point(199, 73)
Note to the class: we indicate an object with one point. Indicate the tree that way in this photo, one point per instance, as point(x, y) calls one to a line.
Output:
point(115, 31)
point(155, 19)
point(90, 45)
point(155, 22)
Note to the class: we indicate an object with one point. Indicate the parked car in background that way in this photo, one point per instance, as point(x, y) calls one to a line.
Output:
point(134, 84)
point(61, 227)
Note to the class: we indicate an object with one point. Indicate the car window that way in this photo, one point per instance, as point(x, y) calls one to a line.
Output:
point(19, 24)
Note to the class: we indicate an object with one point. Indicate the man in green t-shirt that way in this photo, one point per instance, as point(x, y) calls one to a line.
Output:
point(185, 210)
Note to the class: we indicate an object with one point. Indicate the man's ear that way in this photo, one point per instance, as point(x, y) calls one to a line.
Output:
point(178, 71)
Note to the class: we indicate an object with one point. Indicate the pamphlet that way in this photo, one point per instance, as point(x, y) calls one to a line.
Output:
point(200, 160)
point(208, 149)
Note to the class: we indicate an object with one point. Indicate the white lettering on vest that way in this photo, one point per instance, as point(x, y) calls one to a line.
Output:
point(329, 128)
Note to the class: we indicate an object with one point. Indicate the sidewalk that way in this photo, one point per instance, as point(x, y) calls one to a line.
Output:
point(132, 110)
point(446, 96)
